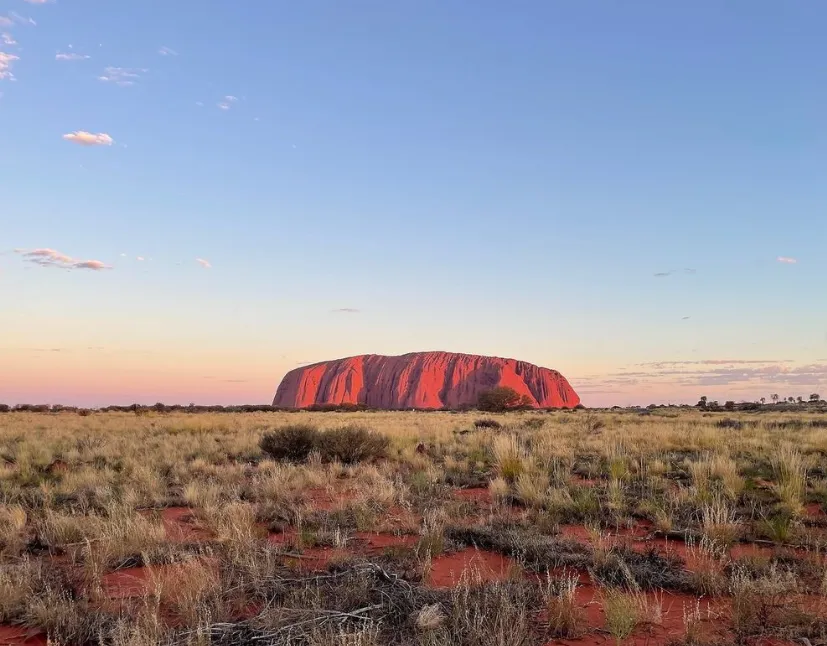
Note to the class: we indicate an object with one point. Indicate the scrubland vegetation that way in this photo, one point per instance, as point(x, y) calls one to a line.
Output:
point(429, 529)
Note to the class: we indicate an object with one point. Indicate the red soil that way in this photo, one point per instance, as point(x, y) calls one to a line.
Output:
point(325, 499)
point(20, 636)
point(377, 542)
point(126, 583)
point(180, 525)
point(815, 510)
point(475, 494)
point(447, 570)
point(669, 626)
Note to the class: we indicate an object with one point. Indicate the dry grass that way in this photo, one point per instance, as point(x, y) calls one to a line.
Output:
point(81, 497)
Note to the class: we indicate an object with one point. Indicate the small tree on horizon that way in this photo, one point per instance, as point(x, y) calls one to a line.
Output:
point(500, 399)
point(815, 397)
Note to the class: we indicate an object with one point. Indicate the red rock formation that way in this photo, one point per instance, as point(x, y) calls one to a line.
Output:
point(420, 380)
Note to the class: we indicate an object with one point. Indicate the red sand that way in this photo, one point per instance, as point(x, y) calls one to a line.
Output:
point(376, 542)
point(126, 583)
point(20, 636)
point(474, 494)
point(447, 570)
point(670, 626)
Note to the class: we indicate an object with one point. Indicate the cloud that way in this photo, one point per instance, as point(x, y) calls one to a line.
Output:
point(204, 263)
point(38, 1)
point(8, 39)
point(95, 265)
point(46, 257)
point(71, 56)
point(662, 274)
point(714, 362)
point(346, 310)
point(685, 318)
point(122, 76)
point(6, 62)
point(89, 139)
point(786, 260)
point(227, 103)
point(167, 51)
point(21, 20)
point(140, 258)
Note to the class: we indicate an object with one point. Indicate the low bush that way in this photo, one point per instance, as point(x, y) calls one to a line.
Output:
point(351, 444)
point(293, 443)
point(729, 423)
point(486, 422)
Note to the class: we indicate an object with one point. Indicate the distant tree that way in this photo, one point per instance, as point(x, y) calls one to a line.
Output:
point(159, 407)
point(730, 405)
point(501, 398)
point(714, 405)
point(4, 408)
point(791, 400)
point(702, 402)
point(800, 399)
point(774, 398)
point(815, 397)
point(763, 400)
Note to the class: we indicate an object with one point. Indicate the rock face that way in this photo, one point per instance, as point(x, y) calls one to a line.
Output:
point(420, 380)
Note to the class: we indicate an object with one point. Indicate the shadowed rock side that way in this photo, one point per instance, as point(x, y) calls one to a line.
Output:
point(420, 380)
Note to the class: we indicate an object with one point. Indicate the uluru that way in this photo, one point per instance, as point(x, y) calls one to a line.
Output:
point(421, 380)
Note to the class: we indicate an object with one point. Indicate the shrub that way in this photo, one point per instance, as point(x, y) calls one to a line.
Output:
point(566, 618)
point(292, 443)
point(500, 399)
point(351, 444)
point(4, 408)
point(487, 422)
point(534, 423)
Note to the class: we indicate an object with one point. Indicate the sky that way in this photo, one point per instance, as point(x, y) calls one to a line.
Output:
point(195, 199)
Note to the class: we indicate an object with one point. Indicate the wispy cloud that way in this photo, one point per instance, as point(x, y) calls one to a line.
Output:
point(714, 362)
point(8, 39)
point(228, 102)
point(38, 1)
point(204, 263)
point(664, 274)
point(89, 139)
point(167, 51)
point(71, 56)
point(21, 20)
point(140, 258)
point(52, 258)
point(786, 260)
point(122, 76)
point(91, 264)
point(346, 310)
point(6, 63)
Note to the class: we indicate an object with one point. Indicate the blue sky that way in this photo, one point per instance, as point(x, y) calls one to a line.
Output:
point(471, 176)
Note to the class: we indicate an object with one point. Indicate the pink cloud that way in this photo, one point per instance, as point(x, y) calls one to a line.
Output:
point(52, 258)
